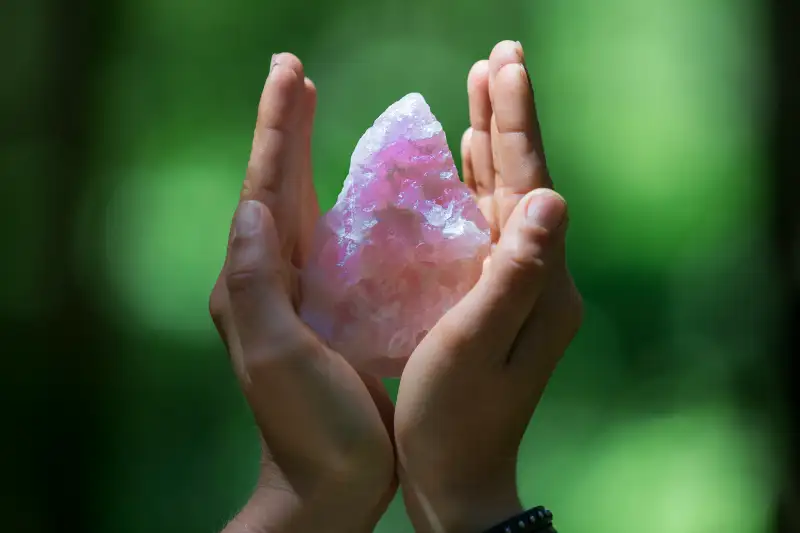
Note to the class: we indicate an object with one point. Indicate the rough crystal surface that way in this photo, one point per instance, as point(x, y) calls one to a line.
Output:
point(403, 243)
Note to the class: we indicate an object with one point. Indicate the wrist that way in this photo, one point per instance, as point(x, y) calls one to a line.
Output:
point(477, 516)
point(460, 510)
point(308, 507)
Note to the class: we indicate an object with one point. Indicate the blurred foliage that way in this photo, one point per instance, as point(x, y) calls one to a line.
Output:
point(652, 113)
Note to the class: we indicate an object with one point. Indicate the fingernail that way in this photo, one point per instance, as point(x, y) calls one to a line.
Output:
point(521, 51)
point(526, 74)
point(523, 73)
point(248, 219)
point(545, 209)
point(273, 62)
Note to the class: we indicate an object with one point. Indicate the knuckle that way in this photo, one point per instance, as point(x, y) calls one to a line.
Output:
point(241, 279)
point(524, 266)
point(539, 237)
point(247, 186)
point(530, 253)
point(285, 348)
point(249, 267)
point(514, 129)
point(215, 302)
point(217, 308)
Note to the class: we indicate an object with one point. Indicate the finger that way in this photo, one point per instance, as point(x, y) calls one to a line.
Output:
point(308, 201)
point(256, 280)
point(480, 116)
point(491, 315)
point(499, 223)
point(278, 141)
point(276, 110)
point(252, 278)
point(276, 127)
point(519, 152)
point(485, 203)
point(466, 161)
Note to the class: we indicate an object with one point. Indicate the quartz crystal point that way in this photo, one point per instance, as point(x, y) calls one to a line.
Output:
point(403, 244)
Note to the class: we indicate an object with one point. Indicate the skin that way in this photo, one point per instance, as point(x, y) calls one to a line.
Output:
point(333, 445)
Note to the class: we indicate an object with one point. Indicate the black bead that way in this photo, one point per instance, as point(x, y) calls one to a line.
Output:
point(539, 518)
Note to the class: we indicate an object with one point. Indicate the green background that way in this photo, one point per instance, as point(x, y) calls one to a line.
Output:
point(653, 117)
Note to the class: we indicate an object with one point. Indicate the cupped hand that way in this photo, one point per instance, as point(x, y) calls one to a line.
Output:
point(328, 460)
point(471, 386)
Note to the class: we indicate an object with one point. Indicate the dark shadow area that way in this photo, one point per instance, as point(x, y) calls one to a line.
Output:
point(786, 228)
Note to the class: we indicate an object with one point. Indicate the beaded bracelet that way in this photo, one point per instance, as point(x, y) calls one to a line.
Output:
point(537, 519)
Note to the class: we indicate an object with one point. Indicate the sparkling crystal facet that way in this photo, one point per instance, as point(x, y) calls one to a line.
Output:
point(404, 242)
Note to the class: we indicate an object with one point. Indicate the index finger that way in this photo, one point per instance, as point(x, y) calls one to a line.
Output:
point(277, 136)
point(518, 139)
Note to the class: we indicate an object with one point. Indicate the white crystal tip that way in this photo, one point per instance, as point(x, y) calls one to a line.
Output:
point(411, 104)
point(414, 98)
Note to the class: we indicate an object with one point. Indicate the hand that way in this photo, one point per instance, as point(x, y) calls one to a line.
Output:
point(328, 460)
point(471, 386)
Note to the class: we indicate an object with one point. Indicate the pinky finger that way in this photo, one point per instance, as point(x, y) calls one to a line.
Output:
point(466, 161)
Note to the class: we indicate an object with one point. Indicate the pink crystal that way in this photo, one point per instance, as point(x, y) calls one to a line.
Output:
point(404, 242)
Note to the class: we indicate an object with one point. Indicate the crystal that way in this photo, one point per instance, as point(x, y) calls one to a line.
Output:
point(403, 243)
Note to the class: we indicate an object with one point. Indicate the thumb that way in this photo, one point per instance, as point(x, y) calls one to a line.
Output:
point(256, 280)
point(517, 270)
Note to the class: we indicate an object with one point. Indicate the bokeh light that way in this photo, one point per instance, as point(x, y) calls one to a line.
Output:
point(650, 115)
point(698, 470)
point(167, 225)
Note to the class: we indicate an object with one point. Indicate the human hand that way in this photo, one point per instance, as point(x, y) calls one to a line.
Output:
point(471, 386)
point(328, 460)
